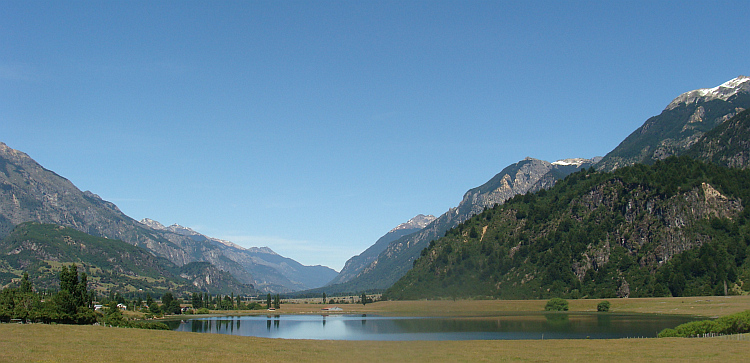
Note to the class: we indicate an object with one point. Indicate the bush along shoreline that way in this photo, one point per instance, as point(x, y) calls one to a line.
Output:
point(731, 324)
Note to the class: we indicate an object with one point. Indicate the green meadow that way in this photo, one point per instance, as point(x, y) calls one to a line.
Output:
point(65, 343)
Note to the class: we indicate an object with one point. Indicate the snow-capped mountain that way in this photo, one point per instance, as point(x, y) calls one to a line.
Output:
point(722, 92)
point(681, 124)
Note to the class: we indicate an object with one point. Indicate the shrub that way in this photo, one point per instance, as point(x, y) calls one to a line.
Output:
point(556, 304)
point(730, 324)
point(203, 311)
point(603, 306)
point(668, 333)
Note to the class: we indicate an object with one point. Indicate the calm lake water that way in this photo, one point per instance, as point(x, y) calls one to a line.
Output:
point(372, 327)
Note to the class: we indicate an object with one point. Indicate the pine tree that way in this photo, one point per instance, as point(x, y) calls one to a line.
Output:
point(25, 284)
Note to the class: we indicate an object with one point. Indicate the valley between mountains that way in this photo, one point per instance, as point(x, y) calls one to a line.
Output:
point(663, 214)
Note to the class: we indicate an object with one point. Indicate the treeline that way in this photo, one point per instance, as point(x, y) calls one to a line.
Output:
point(596, 235)
point(73, 304)
point(217, 302)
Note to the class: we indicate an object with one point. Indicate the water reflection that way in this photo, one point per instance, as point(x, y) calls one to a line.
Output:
point(369, 327)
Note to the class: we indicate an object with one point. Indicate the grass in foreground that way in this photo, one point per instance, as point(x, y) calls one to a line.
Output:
point(66, 343)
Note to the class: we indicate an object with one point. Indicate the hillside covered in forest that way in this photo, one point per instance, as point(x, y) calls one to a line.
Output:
point(678, 227)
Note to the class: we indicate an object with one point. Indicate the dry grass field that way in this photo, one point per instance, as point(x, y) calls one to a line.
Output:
point(61, 343)
point(708, 306)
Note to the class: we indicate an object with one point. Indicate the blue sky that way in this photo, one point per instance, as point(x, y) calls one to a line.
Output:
point(314, 127)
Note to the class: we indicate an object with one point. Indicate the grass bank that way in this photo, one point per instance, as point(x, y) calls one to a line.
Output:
point(66, 343)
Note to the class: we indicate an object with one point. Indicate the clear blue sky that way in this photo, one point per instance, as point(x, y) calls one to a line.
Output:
point(314, 127)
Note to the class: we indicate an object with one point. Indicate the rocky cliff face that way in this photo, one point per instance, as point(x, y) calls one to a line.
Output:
point(728, 144)
point(681, 124)
point(395, 260)
point(28, 192)
point(658, 225)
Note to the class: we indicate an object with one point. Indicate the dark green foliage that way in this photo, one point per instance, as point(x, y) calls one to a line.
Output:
point(731, 324)
point(599, 235)
point(71, 305)
point(556, 304)
point(603, 306)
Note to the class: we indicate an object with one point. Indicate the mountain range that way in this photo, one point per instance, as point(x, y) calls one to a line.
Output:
point(41, 249)
point(705, 123)
point(31, 193)
point(677, 227)
point(679, 127)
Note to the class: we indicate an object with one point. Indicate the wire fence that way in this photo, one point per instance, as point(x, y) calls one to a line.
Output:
point(742, 337)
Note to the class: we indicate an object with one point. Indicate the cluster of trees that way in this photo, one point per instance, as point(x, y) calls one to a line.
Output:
point(71, 305)
point(534, 245)
point(217, 302)
point(275, 300)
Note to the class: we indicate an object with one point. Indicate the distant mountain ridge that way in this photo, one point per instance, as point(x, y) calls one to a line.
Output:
point(681, 124)
point(357, 263)
point(396, 259)
point(29, 192)
point(270, 271)
point(673, 228)
point(39, 249)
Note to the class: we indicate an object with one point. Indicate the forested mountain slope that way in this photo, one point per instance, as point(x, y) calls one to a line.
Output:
point(526, 175)
point(678, 227)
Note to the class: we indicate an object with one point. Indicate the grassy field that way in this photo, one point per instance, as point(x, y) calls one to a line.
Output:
point(708, 306)
point(61, 343)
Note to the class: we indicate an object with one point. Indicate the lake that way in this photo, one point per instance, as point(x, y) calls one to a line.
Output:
point(374, 327)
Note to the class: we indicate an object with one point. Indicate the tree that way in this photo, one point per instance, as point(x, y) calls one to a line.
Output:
point(324, 298)
point(170, 305)
point(364, 298)
point(556, 304)
point(25, 284)
point(197, 300)
point(268, 301)
point(149, 300)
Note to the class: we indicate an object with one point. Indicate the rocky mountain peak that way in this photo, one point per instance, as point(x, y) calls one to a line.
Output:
point(722, 92)
point(418, 222)
point(153, 224)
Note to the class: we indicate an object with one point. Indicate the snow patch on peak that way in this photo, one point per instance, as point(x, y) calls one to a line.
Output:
point(572, 161)
point(722, 92)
